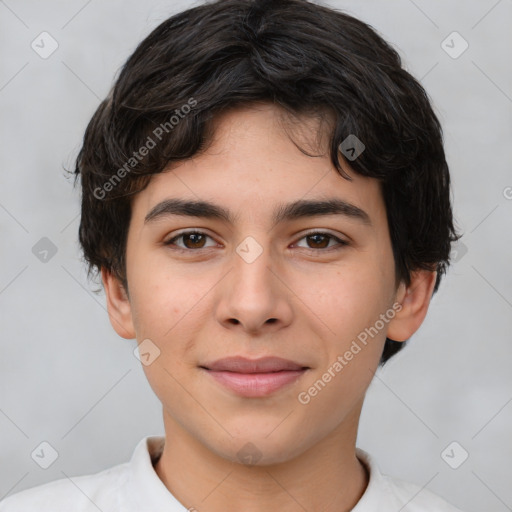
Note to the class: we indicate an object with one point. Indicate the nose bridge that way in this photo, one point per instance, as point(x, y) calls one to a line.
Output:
point(252, 262)
point(252, 294)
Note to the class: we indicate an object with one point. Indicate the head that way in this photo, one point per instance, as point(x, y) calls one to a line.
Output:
point(244, 107)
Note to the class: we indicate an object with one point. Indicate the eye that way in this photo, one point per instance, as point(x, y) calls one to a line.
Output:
point(195, 240)
point(321, 240)
point(191, 239)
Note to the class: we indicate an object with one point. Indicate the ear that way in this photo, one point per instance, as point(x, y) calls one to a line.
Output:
point(415, 300)
point(118, 305)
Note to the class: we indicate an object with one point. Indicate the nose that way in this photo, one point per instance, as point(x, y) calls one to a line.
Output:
point(254, 296)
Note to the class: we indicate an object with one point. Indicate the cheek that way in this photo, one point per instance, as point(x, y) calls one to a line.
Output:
point(351, 355)
point(160, 296)
point(170, 309)
point(152, 306)
point(348, 300)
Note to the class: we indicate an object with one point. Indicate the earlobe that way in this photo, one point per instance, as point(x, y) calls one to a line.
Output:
point(118, 305)
point(414, 300)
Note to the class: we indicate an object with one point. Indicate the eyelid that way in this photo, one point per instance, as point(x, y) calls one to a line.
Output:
point(323, 232)
point(341, 242)
point(169, 241)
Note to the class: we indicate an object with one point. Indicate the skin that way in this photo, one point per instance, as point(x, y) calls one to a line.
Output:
point(209, 303)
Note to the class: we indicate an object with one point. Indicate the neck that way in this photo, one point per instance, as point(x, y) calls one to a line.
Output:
point(327, 476)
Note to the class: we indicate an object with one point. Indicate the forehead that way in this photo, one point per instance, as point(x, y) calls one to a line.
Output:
point(255, 162)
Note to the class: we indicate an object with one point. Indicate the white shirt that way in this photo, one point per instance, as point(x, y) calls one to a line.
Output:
point(135, 487)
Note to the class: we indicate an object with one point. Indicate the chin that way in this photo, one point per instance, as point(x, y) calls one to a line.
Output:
point(258, 448)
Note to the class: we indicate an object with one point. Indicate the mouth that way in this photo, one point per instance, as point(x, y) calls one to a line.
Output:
point(254, 377)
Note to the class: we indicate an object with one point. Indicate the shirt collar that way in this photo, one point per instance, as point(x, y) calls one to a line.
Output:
point(377, 491)
point(144, 485)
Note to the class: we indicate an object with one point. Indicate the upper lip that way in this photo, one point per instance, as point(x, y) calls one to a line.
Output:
point(245, 365)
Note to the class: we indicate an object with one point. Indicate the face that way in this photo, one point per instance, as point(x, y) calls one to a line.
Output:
point(220, 295)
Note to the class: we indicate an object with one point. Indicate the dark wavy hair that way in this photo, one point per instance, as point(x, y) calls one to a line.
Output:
point(301, 56)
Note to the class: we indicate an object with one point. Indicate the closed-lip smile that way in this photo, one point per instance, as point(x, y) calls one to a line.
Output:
point(254, 377)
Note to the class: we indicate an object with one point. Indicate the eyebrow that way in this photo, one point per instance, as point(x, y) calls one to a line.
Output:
point(284, 212)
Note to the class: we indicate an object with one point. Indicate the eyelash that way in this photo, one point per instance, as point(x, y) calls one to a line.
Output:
point(170, 242)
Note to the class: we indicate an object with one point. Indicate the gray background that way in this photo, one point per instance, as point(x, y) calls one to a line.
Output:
point(65, 376)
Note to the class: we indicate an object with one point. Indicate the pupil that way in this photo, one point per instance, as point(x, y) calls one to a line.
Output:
point(192, 236)
point(316, 241)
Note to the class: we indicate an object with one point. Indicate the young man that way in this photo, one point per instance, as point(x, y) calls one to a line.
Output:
point(266, 196)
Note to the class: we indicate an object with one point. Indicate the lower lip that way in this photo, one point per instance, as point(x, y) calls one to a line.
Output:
point(256, 384)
